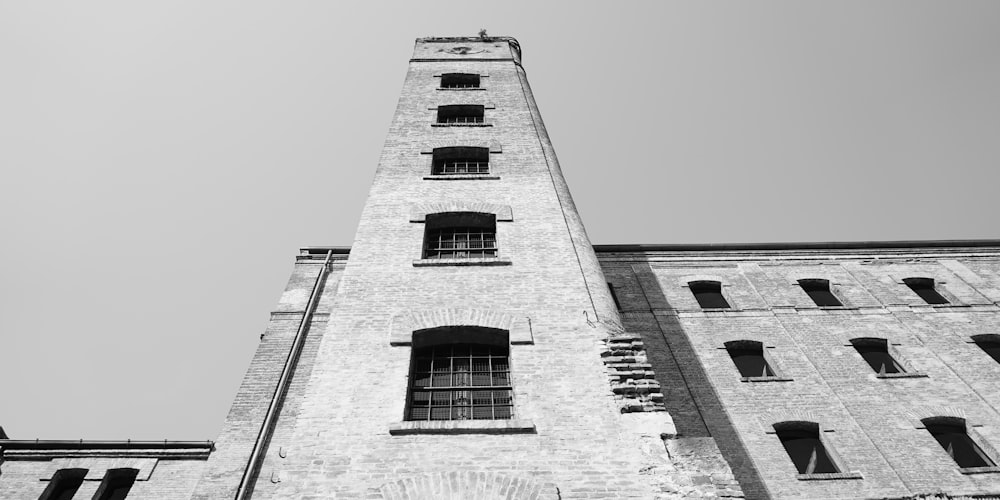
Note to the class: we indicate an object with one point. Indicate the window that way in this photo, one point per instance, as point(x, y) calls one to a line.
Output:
point(924, 287)
point(950, 433)
point(804, 446)
point(459, 81)
point(460, 235)
point(708, 294)
point(461, 160)
point(876, 353)
point(116, 484)
point(460, 114)
point(614, 296)
point(64, 484)
point(749, 358)
point(462, 381)
point(819, 291)
point(990, 344)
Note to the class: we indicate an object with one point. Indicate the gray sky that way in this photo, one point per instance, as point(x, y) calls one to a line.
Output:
point(163, 163)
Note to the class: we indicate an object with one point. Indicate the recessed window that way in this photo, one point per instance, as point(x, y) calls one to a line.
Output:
point(924, 287)
point(459, 81)
point(819, 291)
point(876, 353)
point(460, 114)
point(460, 382)
point(64, 484)
point(952, 435)
point(708, 294)
point(990, 344)
point(116, 484)
point(461, 161)
point(804, 446)
point(748, 356)
point(460, 235)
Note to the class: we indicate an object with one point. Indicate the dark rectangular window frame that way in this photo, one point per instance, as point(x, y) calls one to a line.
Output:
point(991, 339)
point(484, 80)
point(462, 120)
point(892, 349)
point(709, 291)
point(929, 291)
point(822, 292)
point(64, 484)
point(985, 448)
point(777, 373)
point(844, 472)
point(114, 480)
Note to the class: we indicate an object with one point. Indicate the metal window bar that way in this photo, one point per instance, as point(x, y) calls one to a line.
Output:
point(461, 243)
point(461, 119)
point(459, 85)
point(460, 382)
point(462, 167)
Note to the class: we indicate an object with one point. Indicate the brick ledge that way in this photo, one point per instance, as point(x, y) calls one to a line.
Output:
point(513, 426)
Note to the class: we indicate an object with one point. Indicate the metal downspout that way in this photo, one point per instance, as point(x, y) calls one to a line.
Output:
point(271, 417)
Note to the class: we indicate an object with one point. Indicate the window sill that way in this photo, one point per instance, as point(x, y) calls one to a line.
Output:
point(901, 375)
point(462, 177)
point(829, 476)
point(461, 124)
point(513, 426)
point(991, 469)
point(484, 261)
point(461, 89)
point(766, 379)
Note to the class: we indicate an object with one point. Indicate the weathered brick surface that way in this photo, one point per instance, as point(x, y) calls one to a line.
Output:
point(871, 423)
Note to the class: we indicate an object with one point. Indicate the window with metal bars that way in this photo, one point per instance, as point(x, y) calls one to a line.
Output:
point(459, 81)
point(458, 114)
point(819, 291)
point(461, 160)
point(952, 435)
point(876, 353)
point(460, 236)
point(924, 287)
point(460, 382)
point(802, 442)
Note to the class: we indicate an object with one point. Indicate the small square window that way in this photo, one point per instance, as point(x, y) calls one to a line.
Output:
point(924, 287)
point(820, 293)
point(459, 81)
point(708, 294)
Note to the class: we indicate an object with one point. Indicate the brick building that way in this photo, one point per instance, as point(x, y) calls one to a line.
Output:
point(472, 343)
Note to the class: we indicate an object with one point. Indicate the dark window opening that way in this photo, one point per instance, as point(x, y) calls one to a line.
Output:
point(876, 353)
point(460, 236)
point(459, 81)
point(64, 484)
point(460, 382)
point(924, 287)
point(708, 294)
point(116, 484)
point(990, 344)
point(460, 113)
point(803, 445)
point(819, 291)
point(749, 358)
point(952, 436)
point(461, 160)
point(614, 296)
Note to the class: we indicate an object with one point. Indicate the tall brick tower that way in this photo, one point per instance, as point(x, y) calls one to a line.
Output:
point(467, 344)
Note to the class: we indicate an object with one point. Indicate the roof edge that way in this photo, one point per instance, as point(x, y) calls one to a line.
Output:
point(826, 245)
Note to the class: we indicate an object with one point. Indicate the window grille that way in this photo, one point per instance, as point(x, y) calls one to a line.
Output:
point(459, 81)
point(803, 445)
point(952, 436)
point(460, 114)
point(460, 382)
point(708, 294)
point(876, 353)
point(819, 291)
point(748, 356)
point(461, 243)
point(924, 287)
point(461, 160)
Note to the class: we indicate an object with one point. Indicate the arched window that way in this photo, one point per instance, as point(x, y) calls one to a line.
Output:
point(952, 435)
point(460, 373)
point(803, 444)
point(819, 291)
point(924, 287)
point(748, 356)
point(460, 235)
point(64, 484)
point(708, 294)
point(875, 352)
point(461, 161)
point(116, 484)
point(990, 344)
point(459, 81)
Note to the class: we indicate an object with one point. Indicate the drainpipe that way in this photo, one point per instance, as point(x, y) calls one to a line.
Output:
point(271, 417)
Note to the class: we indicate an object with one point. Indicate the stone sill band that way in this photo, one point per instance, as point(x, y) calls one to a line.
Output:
point(513, 426)
point(496, 261)
point(829, 476)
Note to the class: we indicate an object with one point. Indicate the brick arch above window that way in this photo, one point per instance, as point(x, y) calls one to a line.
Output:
point(917, 416)
point(769, 419)
point(503, 213)
point(408, 323)
point(465, 484)
point(685, 281)
point(429, 147)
